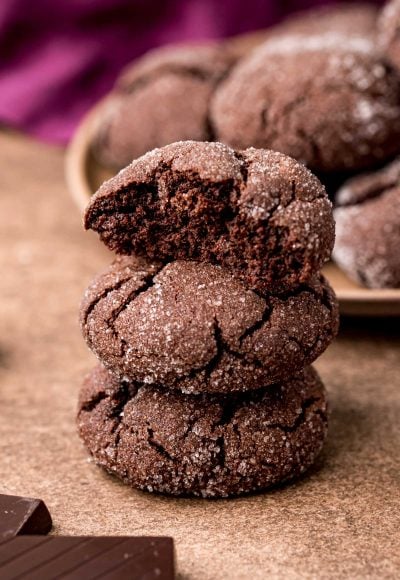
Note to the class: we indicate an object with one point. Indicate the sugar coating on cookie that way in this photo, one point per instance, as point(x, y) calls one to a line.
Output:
point(388, 35)
point(163, 97)
point(368, 228)
point(258, 213)
point(328, 100)
point(194, 327)
point(202, 445)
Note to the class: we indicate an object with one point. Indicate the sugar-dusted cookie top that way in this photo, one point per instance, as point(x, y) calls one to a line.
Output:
point(328, 100)
point(258, 213)
point(203, 445)
point(194, 327)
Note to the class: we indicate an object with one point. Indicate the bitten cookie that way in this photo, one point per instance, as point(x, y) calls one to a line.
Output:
point(389, 32)
point(327, 100)
point(163, 97)
point(368, 228)
point(177, 444)
point(194, 327)
point(258, 213)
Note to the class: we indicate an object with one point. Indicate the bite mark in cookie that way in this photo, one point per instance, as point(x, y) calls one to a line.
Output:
point(258, 213)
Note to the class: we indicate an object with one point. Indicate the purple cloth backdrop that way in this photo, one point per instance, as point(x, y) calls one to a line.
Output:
point(58, 57)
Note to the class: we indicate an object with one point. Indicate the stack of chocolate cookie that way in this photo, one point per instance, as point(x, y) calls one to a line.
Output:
point(206, 325)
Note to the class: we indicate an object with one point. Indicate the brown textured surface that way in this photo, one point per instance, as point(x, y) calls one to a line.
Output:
point(203, 445)
point(258, 213)
point(196, 328)
point(326, 100)
point(340, 521)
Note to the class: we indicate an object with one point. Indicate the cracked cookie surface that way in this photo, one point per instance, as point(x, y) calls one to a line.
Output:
point(163, 97)
point(330, 101)
point(258, 213)
point(368, 228)
point(203, 445)
point(194, 327)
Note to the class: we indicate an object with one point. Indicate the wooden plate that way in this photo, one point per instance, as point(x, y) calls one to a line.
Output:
point(84, 175)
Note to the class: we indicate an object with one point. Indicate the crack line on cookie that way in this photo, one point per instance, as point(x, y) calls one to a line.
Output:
point(91, 404)
point(148, 282)
point(92, 305)
point(257, 325)
point(220, 457)
point(299, 419)
point(157, 446)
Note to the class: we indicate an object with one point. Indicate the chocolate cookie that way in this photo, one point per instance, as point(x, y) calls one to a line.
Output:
point(258, 213)
point(327, 100)
point(389, 32)
point(203, 445)
point(355, 19)
point(368, 228)
point(163, 97)
point(194, 327)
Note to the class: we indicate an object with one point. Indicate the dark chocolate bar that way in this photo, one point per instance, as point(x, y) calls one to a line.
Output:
point(86, 558)
point(23, 515)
